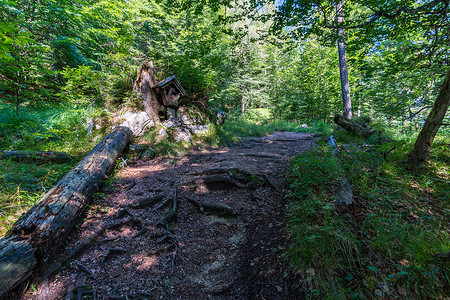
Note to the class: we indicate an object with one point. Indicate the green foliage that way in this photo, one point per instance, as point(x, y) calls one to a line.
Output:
point(82, 85)
point(312, 171)
point(23, 184)
point(392, 242)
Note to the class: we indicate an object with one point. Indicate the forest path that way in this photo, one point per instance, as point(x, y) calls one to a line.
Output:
point(224, 242)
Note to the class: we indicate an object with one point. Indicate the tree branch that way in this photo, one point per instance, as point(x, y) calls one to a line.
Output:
point(391, 16)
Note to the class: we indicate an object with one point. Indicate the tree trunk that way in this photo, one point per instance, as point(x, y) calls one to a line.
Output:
point(40, 232)
point(345, 85)
point(35, 155)
point(434, 120)
point(143, 85)
point(351, 126)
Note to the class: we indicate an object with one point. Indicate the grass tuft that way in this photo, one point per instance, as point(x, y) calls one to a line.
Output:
point(393, 244)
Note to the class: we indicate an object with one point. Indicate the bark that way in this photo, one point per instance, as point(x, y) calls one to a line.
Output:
point(434, 120)
point(35, 155)
point(39, 232)
point(351, 126)
point(17, 262)
point(143, 85)
point(345, 85)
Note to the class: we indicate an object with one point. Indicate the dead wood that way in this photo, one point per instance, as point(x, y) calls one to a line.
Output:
point(352, 126)
point(33, 238)
point(216, 208)
point(44, 156)
point(17, 261)
point(147, 201)
point(70, 292)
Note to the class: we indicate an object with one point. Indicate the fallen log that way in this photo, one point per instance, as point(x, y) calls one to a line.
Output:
point(43, 156)
point(38, 233)
point(352, 126)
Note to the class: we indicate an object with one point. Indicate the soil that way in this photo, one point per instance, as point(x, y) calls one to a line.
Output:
point(215, 230)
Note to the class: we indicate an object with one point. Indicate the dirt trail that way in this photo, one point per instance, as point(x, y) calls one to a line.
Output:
point(206, 225)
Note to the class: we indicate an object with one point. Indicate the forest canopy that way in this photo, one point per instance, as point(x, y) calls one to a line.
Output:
point(279, 56)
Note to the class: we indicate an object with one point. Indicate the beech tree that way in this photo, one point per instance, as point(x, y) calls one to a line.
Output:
point(374, 21)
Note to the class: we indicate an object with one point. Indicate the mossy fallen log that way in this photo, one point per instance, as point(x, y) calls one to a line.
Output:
point(43, 156)
point(38, 233)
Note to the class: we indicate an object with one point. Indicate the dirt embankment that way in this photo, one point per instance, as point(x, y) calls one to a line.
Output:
point(207, 225)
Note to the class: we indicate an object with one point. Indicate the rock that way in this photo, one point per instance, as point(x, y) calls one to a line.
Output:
point(90, 126)
point(137, 122)
point(199, 129)
point(184, 116)
point(182, 135)
point(162, 132)
point(303, 126)
point(170, 123)
point(172, 114)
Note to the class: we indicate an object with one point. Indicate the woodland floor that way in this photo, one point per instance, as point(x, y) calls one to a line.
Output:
point(229, 249)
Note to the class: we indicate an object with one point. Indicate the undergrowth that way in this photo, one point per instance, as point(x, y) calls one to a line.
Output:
point(38, 129)
point(393, 243)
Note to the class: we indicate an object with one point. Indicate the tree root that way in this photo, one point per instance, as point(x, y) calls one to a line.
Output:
point(85, 269)
point(162, 250)
point(171, 213)
point(112, 251)
point(219, 182)
point(147, 201)
point(161, 205)
point(143, 230)
point(130, 185)
point(272, 184)
point(88, 241)
point(216, 208)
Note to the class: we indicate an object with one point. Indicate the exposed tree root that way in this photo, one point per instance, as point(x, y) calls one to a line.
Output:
point(171, 213)
point(162, 250)
point(143, 230)
point(130, 184)
point(85, 269)
point(112, 251)
point(147, 201)
point(216, 208)
point(219, 182)
point(88, 241)
point(272, 184)
point(161, 205)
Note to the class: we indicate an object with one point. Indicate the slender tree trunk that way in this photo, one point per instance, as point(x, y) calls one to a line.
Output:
point(434, 120)
point(345, 85)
